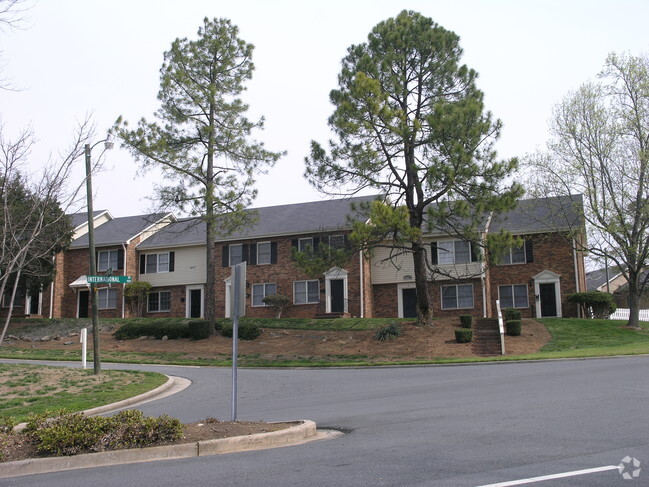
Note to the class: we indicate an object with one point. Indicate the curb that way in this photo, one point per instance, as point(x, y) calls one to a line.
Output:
point(303, 431)
point(173, 382)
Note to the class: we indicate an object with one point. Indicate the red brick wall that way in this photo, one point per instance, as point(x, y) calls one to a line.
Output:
point(283, 274)
point(386, 304)
point(551, 252)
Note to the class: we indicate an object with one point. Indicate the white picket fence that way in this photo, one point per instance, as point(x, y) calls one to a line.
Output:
point(623, 314)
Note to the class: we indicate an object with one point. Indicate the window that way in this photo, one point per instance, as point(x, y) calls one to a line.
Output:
point(263, 253)
point(515, 255)
point(236, 254)
point(452, 252)
point(337, 241)
point(159, 301)
point(514, 296)
point(19, 298)
point(260, 291)
point(107, 259)
point(304, 244)
point(107, 298)
point(457, 297)
point(306, 292)
point(157, 263)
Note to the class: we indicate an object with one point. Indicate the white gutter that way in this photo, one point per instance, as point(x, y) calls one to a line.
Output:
point(574, 257)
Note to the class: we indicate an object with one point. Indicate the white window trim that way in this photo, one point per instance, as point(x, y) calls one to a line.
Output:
point(514, 296)
point(252, 295)
point(99, 269)
point(270, 253)
point(511, 254)
point(230, 253)
point(452, 252)
point(441, 296)
point(159, 301)
point(108, 290)
point(157, 263)
point(307, 241)
point(307, 281)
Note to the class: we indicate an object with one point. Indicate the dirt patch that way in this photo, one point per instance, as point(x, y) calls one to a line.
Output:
point(416, 343)
point(16, 446)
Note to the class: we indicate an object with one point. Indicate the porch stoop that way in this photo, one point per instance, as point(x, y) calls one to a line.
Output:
point(486, 337)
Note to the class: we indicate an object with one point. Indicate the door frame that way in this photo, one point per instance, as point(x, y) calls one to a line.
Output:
point(335, 274)
point(547, 277)
point(188, 300)
point(400, 288)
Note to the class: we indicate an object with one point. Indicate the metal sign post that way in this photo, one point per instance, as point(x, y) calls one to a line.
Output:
point(238, 296)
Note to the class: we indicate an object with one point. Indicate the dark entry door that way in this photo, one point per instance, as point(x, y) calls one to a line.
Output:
point(195, 303)
point(33, 304)
point(337, 296)
point(548, 299)
point(409, 301)
point(84, 299)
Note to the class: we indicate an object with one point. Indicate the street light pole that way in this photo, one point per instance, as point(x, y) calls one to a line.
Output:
point(91, 255)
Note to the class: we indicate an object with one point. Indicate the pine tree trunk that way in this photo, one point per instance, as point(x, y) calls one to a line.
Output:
point(424, 307)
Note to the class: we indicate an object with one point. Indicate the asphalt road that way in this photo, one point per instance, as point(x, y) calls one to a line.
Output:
point(412, 426)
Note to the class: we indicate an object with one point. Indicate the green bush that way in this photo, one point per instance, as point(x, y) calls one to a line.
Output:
point(247, 331)
point(156, 328)
point(466, 321)
point(278, 303)
point(599, 305)
point(462, 335)
point(511, 314)
point(393, 330)
point(73, 433)
point(513, 327)
point(199, 329)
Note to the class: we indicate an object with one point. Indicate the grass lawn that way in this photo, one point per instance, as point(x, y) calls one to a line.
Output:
point(26, 388)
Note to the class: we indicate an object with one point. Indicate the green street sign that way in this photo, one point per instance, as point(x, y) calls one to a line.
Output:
point(109, 279)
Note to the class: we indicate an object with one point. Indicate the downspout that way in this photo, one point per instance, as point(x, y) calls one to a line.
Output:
point(574, 256)
point(483, 277)
point(124, 245)
point(52, 289)
point(360, 259)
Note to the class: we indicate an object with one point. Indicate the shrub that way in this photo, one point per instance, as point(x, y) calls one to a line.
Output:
point(73, 433)
point(466, 321)
point(513, 327)
point(511, 314)
point(135, 294)
point(599, 305)
point(155, 328)
point(388, 332)
point(278, 303)
point(247, 331)
point(199, 329)
point(462, 335)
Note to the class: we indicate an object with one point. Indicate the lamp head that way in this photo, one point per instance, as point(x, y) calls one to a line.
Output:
point(108, 143)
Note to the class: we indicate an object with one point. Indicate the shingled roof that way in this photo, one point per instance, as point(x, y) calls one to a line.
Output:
point(271, 221)
point(120, 230)
point(538, 215)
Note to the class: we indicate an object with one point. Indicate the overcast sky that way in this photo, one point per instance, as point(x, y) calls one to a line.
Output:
point(75, 57)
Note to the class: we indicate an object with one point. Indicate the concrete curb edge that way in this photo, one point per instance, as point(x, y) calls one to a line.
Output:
point(303, 431)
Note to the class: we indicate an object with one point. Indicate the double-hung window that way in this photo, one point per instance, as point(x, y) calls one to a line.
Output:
point(159, 301)
point(107, 298)
point(337, 241)
point(263, 253)
point(107, 259)
point(513, 296)
point(260, 291)
point(515, 255)
point(306, 292)
point(236, 254)
point(458, 296)
point(157, 263)
point(453, 252)
point(305, 244)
